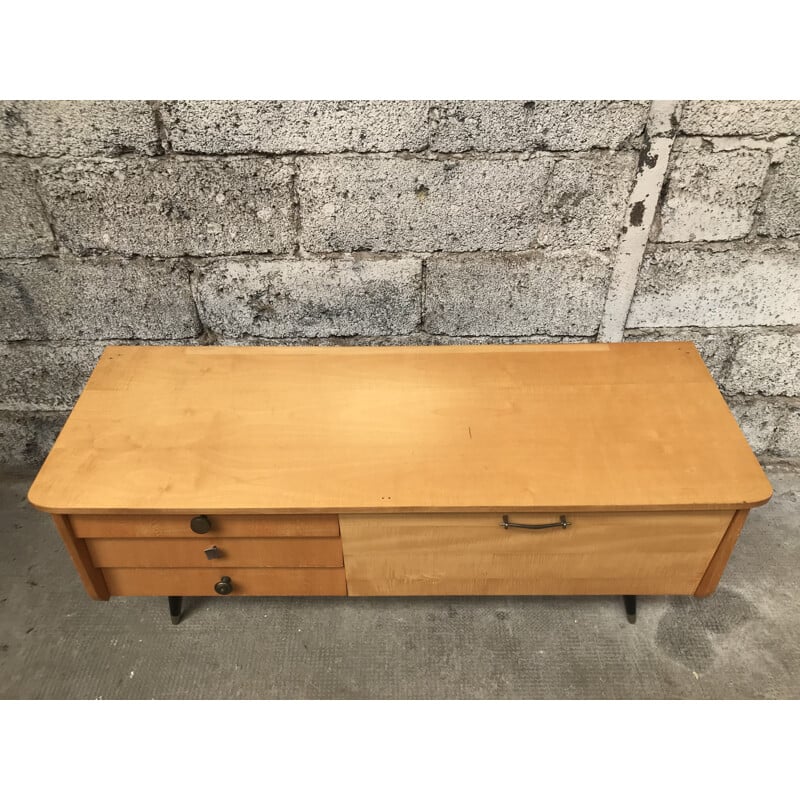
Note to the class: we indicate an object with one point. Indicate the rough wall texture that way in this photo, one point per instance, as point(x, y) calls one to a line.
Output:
point(398, 222)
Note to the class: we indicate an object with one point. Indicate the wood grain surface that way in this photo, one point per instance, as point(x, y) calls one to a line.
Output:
point(91, 577)
point(250, 582)
point(710, 580)
point(176, 526)
point(229, 552)
point(351, 429)
point(472, 554)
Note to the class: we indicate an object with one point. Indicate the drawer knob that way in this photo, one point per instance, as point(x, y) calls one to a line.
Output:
point(223, 585)
point(201, 524)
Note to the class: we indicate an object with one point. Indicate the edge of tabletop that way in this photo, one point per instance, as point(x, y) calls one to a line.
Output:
point(508, 509)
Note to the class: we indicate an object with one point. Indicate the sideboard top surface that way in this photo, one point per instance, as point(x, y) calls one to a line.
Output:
point(476, 428)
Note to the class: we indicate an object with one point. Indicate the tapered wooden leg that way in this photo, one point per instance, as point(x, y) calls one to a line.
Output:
point(175, 604)
point(630, 607)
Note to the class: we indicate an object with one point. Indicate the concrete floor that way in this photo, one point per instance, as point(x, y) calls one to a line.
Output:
point(743, 642)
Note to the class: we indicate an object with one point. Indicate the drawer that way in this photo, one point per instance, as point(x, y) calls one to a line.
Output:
point(124, 526)
point(473, 554)
point(200, 582)
point(231, 552)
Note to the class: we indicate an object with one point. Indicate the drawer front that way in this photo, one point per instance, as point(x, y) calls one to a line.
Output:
point(466, 554)
point(125, 526)
point(228, 552)
point(200, 582)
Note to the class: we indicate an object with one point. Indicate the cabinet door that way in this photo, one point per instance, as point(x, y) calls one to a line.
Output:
point(474, 554)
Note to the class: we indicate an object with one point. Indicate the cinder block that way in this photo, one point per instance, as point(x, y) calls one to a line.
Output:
point(585, 201)
point(394, 204)
point(747, 285)
point(419, 204)
point(715, 346)
point(759, 418)
point(786, 443)
point(171, 206)
point(45, 376)
point(544, 292)
point(741, 117)
point(77, 127)
point(27, 436)
point(23, 228)
point(497, 126)
point(711, 196)
point(96, 298)
point(766, 363)
point(781, 211)
point(334, 297)
point(318, 126)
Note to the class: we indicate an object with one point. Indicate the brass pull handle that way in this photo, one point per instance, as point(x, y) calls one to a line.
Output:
point(561, 524)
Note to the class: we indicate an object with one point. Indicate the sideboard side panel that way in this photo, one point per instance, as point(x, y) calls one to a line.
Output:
point(710, 580)
point(92, 577)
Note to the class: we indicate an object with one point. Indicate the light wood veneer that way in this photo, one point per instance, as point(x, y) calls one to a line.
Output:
point(230, 552)
point(214, 430)
point(464, 554)
point(200, 582)
point(158, 526)
point(386, 471)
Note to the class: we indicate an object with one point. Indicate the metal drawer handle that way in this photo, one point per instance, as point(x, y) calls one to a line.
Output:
point(213, 552)
point(561, 524)
point(201, 524)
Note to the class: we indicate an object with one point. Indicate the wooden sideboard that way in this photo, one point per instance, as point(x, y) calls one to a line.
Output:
point(467, 470)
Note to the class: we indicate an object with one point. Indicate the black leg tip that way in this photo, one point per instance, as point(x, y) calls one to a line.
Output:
point(630, 607)
point(175, 608)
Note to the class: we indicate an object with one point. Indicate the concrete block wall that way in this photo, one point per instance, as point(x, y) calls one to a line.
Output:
point(386, 223)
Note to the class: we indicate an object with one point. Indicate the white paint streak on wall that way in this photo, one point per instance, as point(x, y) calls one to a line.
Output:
point(642, 204)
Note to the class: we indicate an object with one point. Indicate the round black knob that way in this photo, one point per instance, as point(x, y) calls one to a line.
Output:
point(201, 524)
point(223, 585)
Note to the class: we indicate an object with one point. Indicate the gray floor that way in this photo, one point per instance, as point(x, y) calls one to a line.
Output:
point(743, 642)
